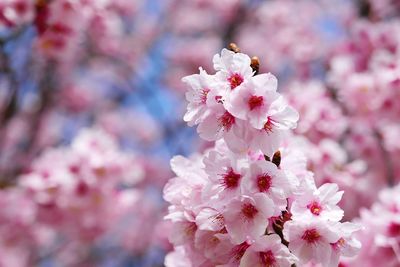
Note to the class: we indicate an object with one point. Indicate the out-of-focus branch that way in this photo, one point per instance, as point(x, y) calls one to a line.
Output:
point(243, 12)
point(11, 106)
point(47, 90)
point(364, 8)
point(387, 161)
point(334, 96)
point(5, 67)
point(378, 137)
point(13, 35)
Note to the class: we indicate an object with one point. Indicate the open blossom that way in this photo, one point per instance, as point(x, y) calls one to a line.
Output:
point(318, 203)
point(245, 217)
point(233, 69)
point(265, 177)
point(225, 172)
point(202, 93)
point(347, 245)
point(268, 251)
point(281, 118)
point(233, 104)
point(249, 200)
point(253, 100)
point(323, 242)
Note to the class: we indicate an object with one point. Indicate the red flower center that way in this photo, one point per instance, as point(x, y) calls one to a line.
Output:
point(268, 126)
point(239, 250)
point(315, 208)
point(60, 28)
point(338, 244)
point(267, 259)
point(20, 7)
point(235, 80)
point(82, 189)
point(311, 236)
point(249, 211)
point(231, 179)
point(394, 229)
point(255, 102)
point(190, 228)
point(264, 182)
point(226, 121)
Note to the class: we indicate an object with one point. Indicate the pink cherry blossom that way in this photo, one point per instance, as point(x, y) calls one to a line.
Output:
point(246, 217)
point(318, 203)
point(233, 69)
point(265, 177)
point(252, 101)
point(250, 200)
point(267, 251)
point(201, 96)
point(311, 241)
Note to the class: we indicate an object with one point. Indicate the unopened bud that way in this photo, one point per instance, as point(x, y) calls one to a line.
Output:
point(255, 65)
point(276, 158)
point(233, 47)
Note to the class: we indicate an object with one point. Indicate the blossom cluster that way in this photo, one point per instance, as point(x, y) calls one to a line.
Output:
point(382, 230)
point(68, 64)
point(364, 73)
point(238, 107)
point(249, 201)
point(74, 196)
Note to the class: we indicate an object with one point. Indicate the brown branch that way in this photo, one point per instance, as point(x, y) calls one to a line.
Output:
point(385, 158)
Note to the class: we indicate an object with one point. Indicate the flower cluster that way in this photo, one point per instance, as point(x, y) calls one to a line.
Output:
point(74, 196)
point(249, 201)
point(64, 26)
point(322, 119)
point(380, 239)
point(365, 75)
point(79, 180)
point(295, 43)
point(20, 235)
point(78, 59)
point(237, 106)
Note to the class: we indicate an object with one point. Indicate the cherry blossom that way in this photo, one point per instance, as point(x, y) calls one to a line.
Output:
point(246, 217)
point(249, 200)
point(268, 251)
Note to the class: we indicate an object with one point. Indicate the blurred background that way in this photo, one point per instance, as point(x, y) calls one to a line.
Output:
point(91, 108)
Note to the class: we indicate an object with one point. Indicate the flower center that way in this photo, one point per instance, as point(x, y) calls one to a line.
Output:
point(82, 189)
point(311, 236)
point(267, 259)
point(264, 182)
point(338, 244)
point(235, 80)
point(394, 229)
point(231, 179)
point(255, 102)
point(268, 126)
point(190, 228)
point(239, 250)
point(74, 169)
point(226, 121)
point(249, 211)
point(315, 208)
